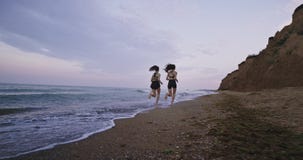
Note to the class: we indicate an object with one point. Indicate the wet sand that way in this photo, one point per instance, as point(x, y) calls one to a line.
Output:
point(196, 129)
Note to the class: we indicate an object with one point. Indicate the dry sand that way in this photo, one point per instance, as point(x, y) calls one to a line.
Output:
point(193, 130)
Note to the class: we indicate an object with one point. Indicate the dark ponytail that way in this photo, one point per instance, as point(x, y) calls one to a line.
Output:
point(154, 68)
point(169, 67)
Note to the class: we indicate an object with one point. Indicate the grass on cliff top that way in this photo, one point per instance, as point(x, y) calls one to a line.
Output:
point(244, 135)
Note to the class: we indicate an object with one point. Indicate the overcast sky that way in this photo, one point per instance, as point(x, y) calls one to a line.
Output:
point(114, 42)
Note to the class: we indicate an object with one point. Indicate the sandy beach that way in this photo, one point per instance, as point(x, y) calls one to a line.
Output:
point(264, 124)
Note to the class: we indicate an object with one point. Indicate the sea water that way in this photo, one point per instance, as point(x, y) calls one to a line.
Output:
point(37, 117)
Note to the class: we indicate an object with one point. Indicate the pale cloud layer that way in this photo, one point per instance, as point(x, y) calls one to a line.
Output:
point(113, 43)
point(37, 68)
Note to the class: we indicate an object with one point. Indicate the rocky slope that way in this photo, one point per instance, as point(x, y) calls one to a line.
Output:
point(279, 65)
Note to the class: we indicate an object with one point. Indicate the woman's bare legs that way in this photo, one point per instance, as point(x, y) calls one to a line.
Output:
point(168, 94)
point(155, 93)
point(158, 95)
point(152, 93)
point(173, 94)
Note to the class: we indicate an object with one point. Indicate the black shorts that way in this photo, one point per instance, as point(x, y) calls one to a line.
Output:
point(155, 85)
point(172, 84)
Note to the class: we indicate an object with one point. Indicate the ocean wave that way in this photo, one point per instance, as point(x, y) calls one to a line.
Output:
point(107, 125)
point(184, 94)
point(42, 97)
point(6, 111)
point(141, 91)
point(38, 93)
point(33, 90)
point(71, 113)
point(6, 124)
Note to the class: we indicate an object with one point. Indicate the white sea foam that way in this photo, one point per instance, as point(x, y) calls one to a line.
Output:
point(56, 119)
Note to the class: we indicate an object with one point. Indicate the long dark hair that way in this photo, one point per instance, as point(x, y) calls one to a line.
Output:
point(169, 67)
point(154, 68)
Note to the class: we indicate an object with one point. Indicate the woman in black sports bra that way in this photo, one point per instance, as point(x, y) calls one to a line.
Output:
point(155, 83)
point(172, 81)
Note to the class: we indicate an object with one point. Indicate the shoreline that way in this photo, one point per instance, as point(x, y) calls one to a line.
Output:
point(192, 130)
point(83, 137)
point(112, 125)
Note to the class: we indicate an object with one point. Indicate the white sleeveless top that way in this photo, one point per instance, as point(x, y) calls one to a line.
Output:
point(171, 75)
point(156, 77)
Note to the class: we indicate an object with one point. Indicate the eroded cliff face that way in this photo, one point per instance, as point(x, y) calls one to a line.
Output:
point(279, 65)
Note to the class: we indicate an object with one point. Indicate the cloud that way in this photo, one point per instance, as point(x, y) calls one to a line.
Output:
point(208, 49)
point(44, 50)
point(31, 67)
point(86, 32)
point(115, 42)
point(14, 60)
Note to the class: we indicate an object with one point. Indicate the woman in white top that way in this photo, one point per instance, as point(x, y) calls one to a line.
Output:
point(172, 81)
point(155, 83)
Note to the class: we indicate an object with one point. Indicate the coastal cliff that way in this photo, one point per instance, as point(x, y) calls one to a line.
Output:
point(279, 65)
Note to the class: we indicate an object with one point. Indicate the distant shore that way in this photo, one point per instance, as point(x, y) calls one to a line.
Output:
point(230, 125)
